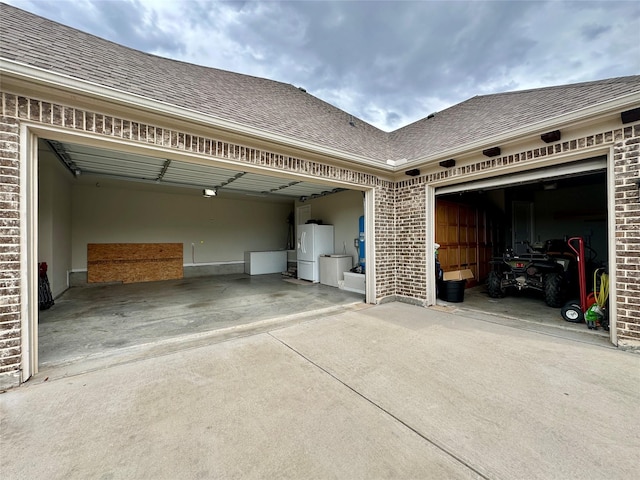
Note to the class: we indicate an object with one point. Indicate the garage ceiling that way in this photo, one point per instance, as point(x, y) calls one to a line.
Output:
point(85, 160)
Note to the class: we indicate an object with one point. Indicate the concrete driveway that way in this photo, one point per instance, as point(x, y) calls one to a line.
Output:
point(391, 391)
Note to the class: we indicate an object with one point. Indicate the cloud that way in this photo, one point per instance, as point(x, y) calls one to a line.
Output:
point(594, 31)
point(127, 22)
point(389, 63)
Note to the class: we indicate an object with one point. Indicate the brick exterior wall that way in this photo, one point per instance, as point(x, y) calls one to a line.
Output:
point(385, 235)
point(10, 305)
point(412, 281)
point(400, 221)
point(627, 195)
point(411, 241)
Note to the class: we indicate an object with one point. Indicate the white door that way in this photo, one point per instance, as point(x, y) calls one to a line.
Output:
point(303, 214)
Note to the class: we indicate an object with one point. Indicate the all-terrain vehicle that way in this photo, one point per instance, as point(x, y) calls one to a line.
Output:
point(548, 267)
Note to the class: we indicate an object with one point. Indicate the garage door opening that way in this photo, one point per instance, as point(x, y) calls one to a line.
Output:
point(476, 223)
point(148, 214)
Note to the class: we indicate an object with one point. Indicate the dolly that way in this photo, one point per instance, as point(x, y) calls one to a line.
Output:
point(573, 310)
point(589, 308)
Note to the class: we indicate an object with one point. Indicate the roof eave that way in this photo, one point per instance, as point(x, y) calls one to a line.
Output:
point(583, 115)
point(44, 77)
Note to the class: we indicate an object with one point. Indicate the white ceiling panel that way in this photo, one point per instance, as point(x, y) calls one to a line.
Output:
point(96, 161)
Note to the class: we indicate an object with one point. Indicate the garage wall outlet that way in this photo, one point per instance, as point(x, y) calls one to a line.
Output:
point(356, 242)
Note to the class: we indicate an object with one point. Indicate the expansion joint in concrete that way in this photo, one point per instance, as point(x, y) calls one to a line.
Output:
point(446, 450)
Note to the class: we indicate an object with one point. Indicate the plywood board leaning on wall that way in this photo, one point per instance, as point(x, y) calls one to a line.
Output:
point(133, 262)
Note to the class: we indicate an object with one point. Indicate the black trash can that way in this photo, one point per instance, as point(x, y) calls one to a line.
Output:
point(452, 290)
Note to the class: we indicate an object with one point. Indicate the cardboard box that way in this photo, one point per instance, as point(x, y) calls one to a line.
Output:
point(458, 275)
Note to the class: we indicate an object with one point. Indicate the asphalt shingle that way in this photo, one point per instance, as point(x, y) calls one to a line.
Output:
point(280, 108)
point(487, 115)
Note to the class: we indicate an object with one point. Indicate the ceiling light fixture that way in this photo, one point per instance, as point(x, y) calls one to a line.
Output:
point(209, 192)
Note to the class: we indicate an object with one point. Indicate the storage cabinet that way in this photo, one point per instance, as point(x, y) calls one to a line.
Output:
point(259, 263)
point(332, 268)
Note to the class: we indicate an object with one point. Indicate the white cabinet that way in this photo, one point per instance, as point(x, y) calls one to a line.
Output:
point(332, 268)
point(258, 263)
point(354, 282)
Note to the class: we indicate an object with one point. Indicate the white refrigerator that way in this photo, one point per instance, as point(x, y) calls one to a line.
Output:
point(313, 240)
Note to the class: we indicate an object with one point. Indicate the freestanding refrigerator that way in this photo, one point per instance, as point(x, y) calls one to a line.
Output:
point(313, 240)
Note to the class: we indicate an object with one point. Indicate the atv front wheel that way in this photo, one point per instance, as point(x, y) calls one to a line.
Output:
point(572, 312)
point(494, 285)
point(554, 290)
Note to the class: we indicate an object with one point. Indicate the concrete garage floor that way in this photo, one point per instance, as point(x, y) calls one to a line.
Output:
point(100, 321)
point(96, 326)
point(525, 306)
point(386, 391)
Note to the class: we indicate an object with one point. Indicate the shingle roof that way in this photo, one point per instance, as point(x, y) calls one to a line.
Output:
point(264, 104)
point(281, 108)
point(487, 115)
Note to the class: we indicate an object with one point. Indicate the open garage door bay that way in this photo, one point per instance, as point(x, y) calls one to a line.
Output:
point(477, 222)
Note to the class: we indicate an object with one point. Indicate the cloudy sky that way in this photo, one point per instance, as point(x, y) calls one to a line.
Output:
point(387, 62)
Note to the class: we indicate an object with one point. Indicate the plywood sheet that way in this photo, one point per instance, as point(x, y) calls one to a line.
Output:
point(133, 262)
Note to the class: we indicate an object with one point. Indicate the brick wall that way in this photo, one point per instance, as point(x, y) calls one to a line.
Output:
point(9, 253)
point(412, 280)
point(385, 238)
point(411, 223)
point(627, 195)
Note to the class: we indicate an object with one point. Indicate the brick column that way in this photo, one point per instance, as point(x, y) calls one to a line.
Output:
point(10, 305)
point(627, 212)
point(385, 242)
point(411, 225)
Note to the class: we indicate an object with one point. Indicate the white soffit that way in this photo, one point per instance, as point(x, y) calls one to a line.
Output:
point(574, 168)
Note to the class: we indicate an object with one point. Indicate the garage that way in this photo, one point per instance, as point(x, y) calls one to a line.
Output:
point(202, 166)
point(192, 226)
point(477, 222)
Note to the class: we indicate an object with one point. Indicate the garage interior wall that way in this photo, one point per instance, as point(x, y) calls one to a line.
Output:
point(574, 211)
point(54, 219)
point(215, 229)
point(75, 212)
point(343, 211)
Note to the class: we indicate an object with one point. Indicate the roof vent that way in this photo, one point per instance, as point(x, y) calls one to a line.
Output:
point(302, 90)
point(431, 115)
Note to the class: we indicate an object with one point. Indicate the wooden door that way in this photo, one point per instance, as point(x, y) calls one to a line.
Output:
point(447, 233)
point(464, 237)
